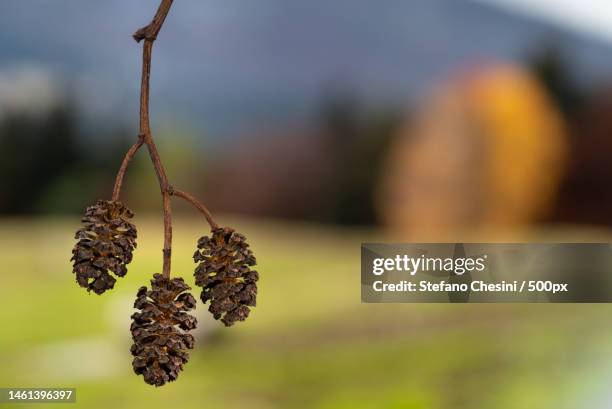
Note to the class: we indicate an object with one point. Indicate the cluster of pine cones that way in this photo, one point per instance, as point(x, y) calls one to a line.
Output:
point(160, 329)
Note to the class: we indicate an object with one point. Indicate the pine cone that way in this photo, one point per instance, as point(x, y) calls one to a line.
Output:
point(224, 275)
point(106, 242)
point(159, 330)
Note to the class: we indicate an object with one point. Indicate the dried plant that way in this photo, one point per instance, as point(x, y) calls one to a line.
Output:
point(106, 242)
point(107, 239)
point(225, 276)
point(159, 330)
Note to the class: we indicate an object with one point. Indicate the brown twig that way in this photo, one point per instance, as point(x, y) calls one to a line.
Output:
point(124, 165)
point(145, 129)
point(149, 35)
point(150, 31)
point(197, 204)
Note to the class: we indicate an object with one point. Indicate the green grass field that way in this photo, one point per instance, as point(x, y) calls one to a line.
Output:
point(310, 343)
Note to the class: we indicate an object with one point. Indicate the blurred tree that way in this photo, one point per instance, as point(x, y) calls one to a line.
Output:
point(484, 151)
point(357, 139)
point(548, 63)
point(324, 174)
point(43, 164)
point(34, 150)
point(585, 195)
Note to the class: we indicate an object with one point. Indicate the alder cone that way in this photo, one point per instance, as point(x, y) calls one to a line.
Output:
point(159, 329)
point(106, 242)
point(225, 276)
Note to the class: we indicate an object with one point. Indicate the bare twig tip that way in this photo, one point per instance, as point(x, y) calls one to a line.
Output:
point(144, 34)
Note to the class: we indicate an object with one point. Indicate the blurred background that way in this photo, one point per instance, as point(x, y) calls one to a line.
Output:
point(311, 127)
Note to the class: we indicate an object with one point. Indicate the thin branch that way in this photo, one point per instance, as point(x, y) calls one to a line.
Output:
point(167, 234)
point(124, 165)
point(149, 35)
point(151, 31)
point(145, 129)
point(197, 204)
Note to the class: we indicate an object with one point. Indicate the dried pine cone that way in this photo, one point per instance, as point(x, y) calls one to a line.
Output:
point(106, 242)
point(224, 274)
point(159, 329)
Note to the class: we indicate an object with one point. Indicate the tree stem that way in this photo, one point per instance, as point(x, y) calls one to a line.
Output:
point(124, 165)
point(197, 204)
point(151, 31)
point(145, 137)
point(145, 130)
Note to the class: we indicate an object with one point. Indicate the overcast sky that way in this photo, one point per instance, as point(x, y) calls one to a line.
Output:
point(226, 66)
point(593, 17)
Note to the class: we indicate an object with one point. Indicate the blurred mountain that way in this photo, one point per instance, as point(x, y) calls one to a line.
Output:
point(226, 65)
